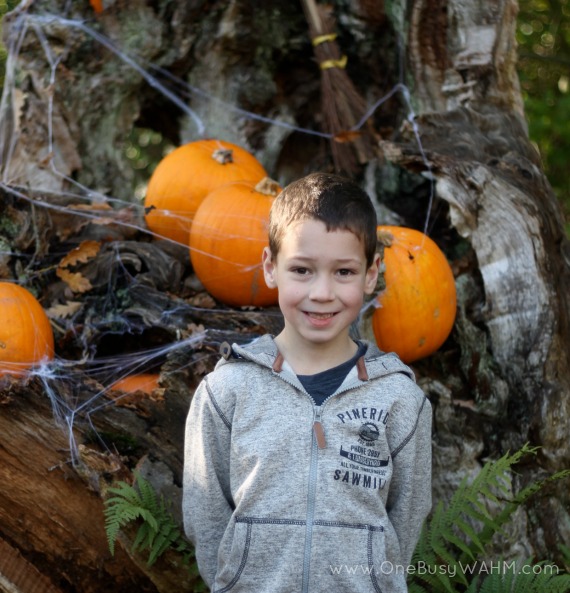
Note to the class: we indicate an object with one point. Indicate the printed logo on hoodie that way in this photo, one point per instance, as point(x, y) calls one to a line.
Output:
point(361, 461)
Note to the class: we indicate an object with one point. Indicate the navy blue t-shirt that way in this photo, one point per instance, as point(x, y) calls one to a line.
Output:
point(325, 383)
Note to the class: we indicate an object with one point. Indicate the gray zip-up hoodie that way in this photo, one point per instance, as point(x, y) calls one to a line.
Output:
point(283, 496)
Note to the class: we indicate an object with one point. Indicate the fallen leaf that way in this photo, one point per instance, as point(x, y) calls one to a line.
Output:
point(81, 254)
point(63, 310)
point(202, 300)
point(347, 136)
point(74, 280)
point(94, 206)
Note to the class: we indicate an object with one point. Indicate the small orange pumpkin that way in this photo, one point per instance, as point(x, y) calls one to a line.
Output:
point(417, 309)
point(26, 336)
point(227, 240)
point(145, 382)
point(185, 176)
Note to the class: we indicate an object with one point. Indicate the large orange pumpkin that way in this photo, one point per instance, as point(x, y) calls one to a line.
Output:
point(26, 337)
point(417, 308)
point(227, 240)
point(185, 176)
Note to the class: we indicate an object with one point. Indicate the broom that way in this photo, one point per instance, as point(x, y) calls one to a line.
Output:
point(342, 105)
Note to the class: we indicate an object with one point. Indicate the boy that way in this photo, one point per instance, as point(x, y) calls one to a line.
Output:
point(308, 455)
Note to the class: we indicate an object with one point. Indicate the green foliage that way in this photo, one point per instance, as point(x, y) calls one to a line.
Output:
point(157, 529)
point(543, 36)
point(565, 551)
point(144, 149)
point(457, 535)
point(528, 578)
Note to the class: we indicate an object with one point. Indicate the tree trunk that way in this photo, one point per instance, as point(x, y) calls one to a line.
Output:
point(452, 157)
point(476, 146)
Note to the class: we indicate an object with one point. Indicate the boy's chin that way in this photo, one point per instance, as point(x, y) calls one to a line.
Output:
point(319, 336)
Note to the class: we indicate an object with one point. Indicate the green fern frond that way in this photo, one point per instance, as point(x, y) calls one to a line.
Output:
point(148, 496)
point(125, 491)
point(565, 551)
point(165, 539)
point(122, 511)
point(415, 587)
point(458, 533)
point(528, 578)
point(157, 530)
point(493, 583)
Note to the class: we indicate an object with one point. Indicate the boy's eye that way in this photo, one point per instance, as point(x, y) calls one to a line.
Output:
point(301, 271)
point(345, 272)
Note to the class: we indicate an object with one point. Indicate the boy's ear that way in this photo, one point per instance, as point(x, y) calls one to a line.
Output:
point(268, 264)
point(372, 275)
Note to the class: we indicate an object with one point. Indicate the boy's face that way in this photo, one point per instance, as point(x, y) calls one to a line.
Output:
point(322, 278)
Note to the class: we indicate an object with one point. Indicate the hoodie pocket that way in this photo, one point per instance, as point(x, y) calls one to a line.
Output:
point(265, 555)
point(352, 557)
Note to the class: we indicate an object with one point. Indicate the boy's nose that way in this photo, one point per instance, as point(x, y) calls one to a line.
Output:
point(322, 289)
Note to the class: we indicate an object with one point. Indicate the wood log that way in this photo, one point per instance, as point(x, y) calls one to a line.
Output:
point(47, 512)
point(17, 575)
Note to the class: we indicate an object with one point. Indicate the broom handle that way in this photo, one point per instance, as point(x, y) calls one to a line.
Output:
point(313, 13)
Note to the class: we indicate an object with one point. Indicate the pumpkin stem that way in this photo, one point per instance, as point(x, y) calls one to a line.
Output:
point(268, 187)
point(223, 155)
point(385, 238)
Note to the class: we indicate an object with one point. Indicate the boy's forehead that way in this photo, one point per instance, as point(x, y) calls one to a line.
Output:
point(307, 229)
point(300, 225)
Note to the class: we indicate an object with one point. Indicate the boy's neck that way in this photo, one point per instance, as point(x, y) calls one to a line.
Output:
point(309, 358)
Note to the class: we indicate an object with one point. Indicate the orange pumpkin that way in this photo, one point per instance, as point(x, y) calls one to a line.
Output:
point(26, 337)
point(227, 240)
point(185, 176)
point(417, 309)
point(145, 382)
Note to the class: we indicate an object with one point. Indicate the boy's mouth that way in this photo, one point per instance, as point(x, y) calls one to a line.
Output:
point(320, 315)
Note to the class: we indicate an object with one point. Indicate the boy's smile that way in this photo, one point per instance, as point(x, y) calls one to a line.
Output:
point(322, 277)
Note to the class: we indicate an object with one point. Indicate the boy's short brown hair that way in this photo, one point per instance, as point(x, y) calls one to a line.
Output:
point(336, 201)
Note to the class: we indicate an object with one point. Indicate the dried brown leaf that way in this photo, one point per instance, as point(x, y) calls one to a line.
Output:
point(202, 300)
point(63, 310)
point(95, 206)
point(75, 281)
point(81, 254)
point(347, 136)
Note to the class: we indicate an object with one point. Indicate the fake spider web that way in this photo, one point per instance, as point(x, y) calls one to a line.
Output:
point(111, 303)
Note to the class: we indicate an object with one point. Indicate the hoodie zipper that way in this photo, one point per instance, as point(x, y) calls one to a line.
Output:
point(318, 441)
point(311, 499)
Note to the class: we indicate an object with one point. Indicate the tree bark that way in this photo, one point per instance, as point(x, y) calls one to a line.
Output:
point(472, 127)
point(453, 157)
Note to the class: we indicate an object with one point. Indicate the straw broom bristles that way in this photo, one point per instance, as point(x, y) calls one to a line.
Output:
point(342, 105)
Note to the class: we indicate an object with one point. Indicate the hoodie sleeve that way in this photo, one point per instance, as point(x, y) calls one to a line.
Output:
point(206, 502)
point(409, 499)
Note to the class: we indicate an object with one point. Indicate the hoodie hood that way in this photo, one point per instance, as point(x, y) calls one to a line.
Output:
point(264, 352)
